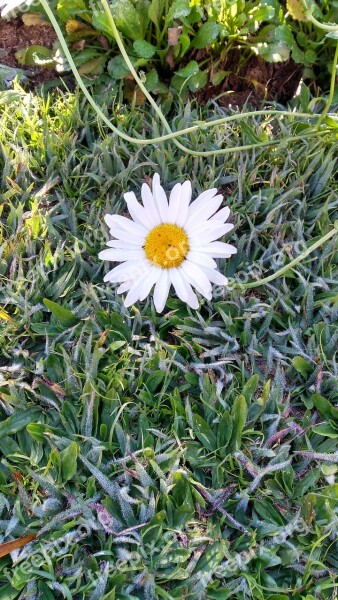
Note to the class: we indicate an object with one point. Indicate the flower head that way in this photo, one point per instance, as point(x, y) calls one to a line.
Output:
point(168, 244)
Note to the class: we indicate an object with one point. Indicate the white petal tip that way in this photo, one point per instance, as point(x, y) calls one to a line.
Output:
point(129, 196)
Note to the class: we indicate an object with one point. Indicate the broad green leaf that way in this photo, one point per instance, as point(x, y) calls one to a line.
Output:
point(178, 9)
point(331, 122)
point(184, 40)
point(206, 34)
point(263, 12)
point(249, 134)
point(151, 80)
point(153, 529)
point(45, 592)
point(68, 461)
point(211, 558)
point(155, 12)
point(85, 55)
point(326, 430)
point(204, 432)
point(117, 345)
point(18, 421)
point(308, 481)
point(67, 9)
point(130, 20)
point(7, 592)
point(154, 380)
point(224, 431)
point(64, 315)
point(322, 405)
point(218, 77)
point(95, 66)
point(311, 56)
point(190, 69)
point(117, 67)
point(198, 81)
point(239, 414)
point(37, 431)
point(101, 23)
point(144, 49)
point(30, 56)
point(301, 365)
point(119, 327)
point(250, 387)
point(267, 511)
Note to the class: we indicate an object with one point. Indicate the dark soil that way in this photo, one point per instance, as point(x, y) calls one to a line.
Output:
point(252, 82)
point(14, 36)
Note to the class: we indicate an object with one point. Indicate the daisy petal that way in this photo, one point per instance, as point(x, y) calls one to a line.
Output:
point(204, 211)
point(201, 259)
point(137, 212)
point(142, 286)
point(150, 206)
point(161, 290)
point(201, 200)
point(122, 244)
point(197, 277)
point(222, 215)
point(118, 222)
point(174, 203)
point(126, 236)
point(128, 270)
point(183, 288)
point(218, 249)
point(203, 226)
point(211, 235)
point(117, 255)
point(149, 280)
point(186, 192)
point(215, 276)
point(124, 287)
point(160, 198)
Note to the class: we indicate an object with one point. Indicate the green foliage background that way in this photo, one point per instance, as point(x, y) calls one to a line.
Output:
point(183, 455)
point(182, 46)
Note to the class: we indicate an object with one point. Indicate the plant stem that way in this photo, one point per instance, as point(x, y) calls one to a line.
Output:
point(332, 87)
point(320, 25)
point(130, 66)
point(293, 263)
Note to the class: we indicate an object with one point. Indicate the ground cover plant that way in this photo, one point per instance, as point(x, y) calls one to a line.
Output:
point(185, 455)
point(187, 47)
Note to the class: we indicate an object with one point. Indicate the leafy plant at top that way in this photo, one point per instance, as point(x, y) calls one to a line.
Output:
point(182, 46)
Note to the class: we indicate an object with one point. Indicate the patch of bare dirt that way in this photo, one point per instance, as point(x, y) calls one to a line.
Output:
point(253, 80)
point(15, 35)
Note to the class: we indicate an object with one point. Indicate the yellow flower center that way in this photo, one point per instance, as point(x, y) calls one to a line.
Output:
point(166, 246)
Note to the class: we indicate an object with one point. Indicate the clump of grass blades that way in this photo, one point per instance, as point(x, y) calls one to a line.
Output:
point(191, 454)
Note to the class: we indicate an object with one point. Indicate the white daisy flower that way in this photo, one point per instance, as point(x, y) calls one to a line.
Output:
point(168, 244)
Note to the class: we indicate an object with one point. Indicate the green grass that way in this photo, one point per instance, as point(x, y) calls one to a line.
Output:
point(215, 430)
